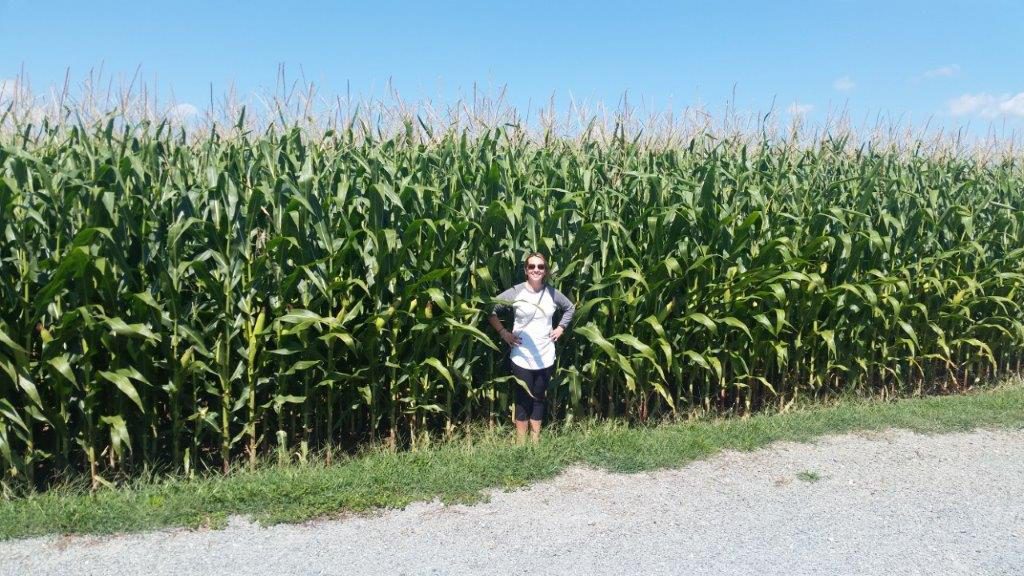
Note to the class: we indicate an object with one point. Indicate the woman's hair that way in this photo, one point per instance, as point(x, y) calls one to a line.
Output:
point(535, 255)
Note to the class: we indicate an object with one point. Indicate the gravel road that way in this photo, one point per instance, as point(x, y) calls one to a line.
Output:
point(890, 503)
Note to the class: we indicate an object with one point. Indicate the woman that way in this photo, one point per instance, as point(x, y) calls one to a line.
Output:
point(532, 340)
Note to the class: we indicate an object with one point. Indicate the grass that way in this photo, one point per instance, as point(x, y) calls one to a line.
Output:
point(460, 470)
point(808, 476)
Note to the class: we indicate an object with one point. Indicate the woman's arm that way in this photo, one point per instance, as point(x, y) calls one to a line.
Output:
point(566, 306)
point(505, 335)
point(568, 310)
point(495, 322)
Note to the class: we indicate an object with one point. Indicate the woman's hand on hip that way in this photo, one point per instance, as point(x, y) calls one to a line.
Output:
point(510, 338)
point(556, 333)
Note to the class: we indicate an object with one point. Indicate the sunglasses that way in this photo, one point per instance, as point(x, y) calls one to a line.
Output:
point(535, 266)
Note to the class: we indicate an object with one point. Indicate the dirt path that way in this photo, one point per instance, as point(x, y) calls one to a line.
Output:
point(892, 503)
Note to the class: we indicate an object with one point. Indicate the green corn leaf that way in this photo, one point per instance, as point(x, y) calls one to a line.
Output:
point(736, 323)
point(472, 331)
point(63, 367)
point(829, 337)
point(29, 387)
point(7, 341)
point(697, 359)
point(121, 328)
point(120, 379)
point(594, 336)
point(704, 320)
point(909, 330)
point(11, 414)
point(441, 369)
point(119, 438)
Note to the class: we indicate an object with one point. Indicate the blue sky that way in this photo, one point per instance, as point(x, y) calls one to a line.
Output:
point(947, 62)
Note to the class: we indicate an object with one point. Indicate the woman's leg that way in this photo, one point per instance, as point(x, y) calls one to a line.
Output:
point(535, 431)
point(521, 427)
point(523, 402)
point(539, 388)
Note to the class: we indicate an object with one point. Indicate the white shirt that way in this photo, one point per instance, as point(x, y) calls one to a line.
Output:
point(534, 312)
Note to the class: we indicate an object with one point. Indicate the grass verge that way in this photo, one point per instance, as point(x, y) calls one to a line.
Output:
point(460, 470)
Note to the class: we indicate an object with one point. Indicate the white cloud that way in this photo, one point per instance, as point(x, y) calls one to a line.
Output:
point(798, 109)
point(182, 112)
point(942, 71)
point(987, 105)
point(970, 104)
point(844, 84)
point(1013, 105)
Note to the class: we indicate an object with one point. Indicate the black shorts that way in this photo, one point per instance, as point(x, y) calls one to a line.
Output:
point(530, 405)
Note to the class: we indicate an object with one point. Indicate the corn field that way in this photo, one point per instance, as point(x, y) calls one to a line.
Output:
point(187, 301)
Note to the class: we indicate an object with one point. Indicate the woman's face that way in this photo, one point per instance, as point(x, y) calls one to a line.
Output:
point(536, 269)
